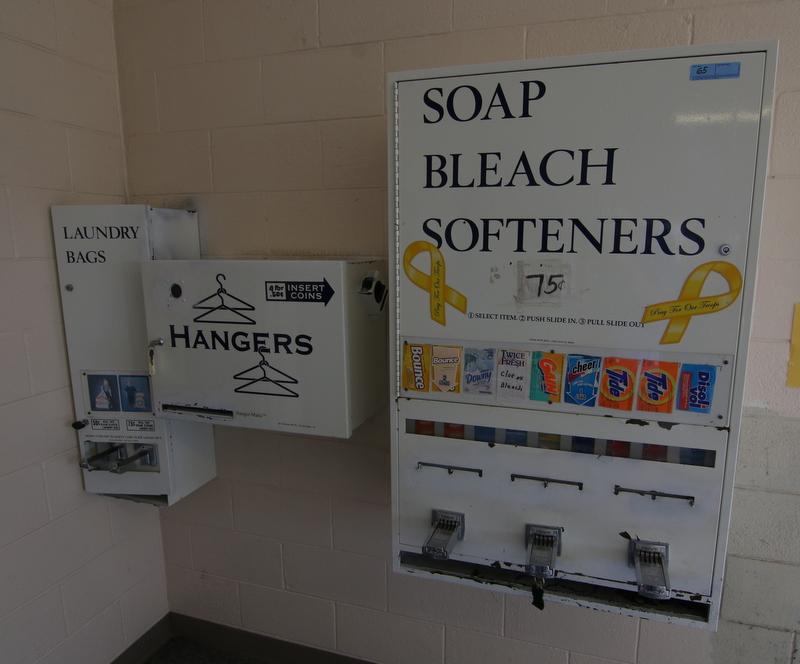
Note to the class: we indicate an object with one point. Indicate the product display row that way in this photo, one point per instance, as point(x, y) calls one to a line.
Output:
point(688, 456)
point(620, 383)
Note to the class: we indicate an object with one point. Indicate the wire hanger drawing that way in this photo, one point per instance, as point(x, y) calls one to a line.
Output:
point(234, 308)
point(266, 380)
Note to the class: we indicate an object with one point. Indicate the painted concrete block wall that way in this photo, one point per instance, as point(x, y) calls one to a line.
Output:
point(80, 577)
point(267, 116)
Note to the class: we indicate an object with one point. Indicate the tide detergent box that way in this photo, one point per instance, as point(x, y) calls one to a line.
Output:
point(547, 372)
point(657, 384)
point(581, 380)
point(618, 382)
point(696, 387)
point(416, 367)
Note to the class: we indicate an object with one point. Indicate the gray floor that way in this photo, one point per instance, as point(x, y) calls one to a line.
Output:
point(182, 651)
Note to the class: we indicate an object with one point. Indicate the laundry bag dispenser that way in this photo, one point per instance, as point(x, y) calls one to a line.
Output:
point(290, 345)
point(125, 449)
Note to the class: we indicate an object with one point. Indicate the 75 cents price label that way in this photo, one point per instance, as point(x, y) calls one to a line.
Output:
point(542, 281)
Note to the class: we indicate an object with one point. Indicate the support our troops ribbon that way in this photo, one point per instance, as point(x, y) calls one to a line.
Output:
point(690, 302)
point(434, 283)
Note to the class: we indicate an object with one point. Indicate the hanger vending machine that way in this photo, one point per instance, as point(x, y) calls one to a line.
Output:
point(293, 345)
point(125, 449)
point(573, 248)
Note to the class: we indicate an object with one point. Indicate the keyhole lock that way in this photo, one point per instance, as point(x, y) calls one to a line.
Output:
point(725, 249)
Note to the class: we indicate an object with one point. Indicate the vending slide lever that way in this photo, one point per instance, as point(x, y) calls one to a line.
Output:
point(544, 546)
point(448, 527)
point(651, 562)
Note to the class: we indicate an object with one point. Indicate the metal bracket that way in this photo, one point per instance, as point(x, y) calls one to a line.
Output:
point(546, 480)
point(544, 546)
point(653, 494)
point(450, 469)
point(651, 561)
point(448, 527)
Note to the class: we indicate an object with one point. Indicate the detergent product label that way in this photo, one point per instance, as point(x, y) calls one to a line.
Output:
point(513, 374)
point(618, 382)
point(416, 367)
point(696, 387)
point(446, 369)
point(479, 373)
point(581, 380)
point(657, 384)
point(547, 374)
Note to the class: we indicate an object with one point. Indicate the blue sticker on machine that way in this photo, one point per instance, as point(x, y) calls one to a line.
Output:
point(708, 72)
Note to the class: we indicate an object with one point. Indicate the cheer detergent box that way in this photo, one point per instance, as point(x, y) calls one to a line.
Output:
point(581, 381)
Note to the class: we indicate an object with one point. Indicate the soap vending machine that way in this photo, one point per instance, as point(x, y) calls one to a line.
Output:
point(125, 449)
point(574, 249)
point(290, 345)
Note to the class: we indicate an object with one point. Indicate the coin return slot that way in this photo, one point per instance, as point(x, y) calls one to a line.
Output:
point(197, 410)
point(651, 562)
point(448, 528)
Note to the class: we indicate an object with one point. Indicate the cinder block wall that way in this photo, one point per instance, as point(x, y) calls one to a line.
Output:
point(80, 577)
point(268, 116)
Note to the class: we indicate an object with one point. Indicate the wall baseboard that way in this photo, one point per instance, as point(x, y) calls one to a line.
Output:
point(228, 640)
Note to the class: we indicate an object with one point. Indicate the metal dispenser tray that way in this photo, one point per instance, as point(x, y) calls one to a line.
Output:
point(448, 527)
point(651, 561)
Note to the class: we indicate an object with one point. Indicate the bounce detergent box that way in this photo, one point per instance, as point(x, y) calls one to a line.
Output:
point(696, 387)
point(547, 371)
point(416, 367)
point(618, 382)
point(479, 374)
point(657, 384)
point(581, 381)
point(446, 369)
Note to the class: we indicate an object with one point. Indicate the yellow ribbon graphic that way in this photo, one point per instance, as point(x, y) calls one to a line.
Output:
point(434, 283)
point(690, 303)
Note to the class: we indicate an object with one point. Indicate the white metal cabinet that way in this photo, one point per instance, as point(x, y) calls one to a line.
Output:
point(291, 345)
point(125, 449)
point(594, 222)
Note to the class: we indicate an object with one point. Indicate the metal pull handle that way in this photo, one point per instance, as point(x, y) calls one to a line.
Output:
point(120, 466)
point(547, 480)
point(88, 462)
point(653, 494)
point(450, 469)
point(151, 354)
